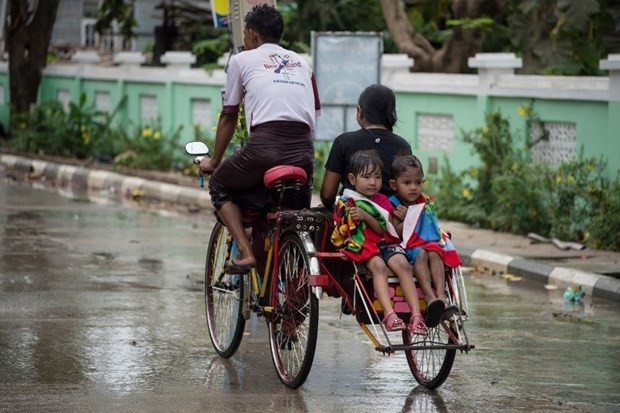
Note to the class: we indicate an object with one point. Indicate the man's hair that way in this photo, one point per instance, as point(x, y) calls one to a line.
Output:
point(267, 21)
point(402, 162)
point(378, 104)
point(365, 161)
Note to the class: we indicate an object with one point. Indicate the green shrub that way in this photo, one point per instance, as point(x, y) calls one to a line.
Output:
point(585, 204)
point(81, 132)
point(450, 193)
point(507, 192)
point(84, 133)
point(148, 147)
point(519, 199)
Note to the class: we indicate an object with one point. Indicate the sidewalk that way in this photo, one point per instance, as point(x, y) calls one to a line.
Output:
point(499, 252)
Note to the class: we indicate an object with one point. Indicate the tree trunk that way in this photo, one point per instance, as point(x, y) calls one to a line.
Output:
point(28, 37)
point(453, 55)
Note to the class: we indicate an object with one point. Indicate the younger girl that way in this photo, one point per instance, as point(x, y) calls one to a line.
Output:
point(365, 233)
point(427, 247)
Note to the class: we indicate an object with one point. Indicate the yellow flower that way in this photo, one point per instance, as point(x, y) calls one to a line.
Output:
point(23, 125)
point(485, 130)
point(586, 236)
point(590, 167)
point(157, 135)
point(83, 128)
point(466, 193)
point(86, 138)
point(137, 193)
point(521, 111)
point(147, 132)
point(558, 179)
point(426, 184)
point(571, 179)
point(473, 172)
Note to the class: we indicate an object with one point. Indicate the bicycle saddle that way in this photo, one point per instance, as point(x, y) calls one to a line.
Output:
point(281, 173)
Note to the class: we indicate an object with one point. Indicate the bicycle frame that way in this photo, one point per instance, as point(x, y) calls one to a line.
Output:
point(259, 283)
point(295, 277)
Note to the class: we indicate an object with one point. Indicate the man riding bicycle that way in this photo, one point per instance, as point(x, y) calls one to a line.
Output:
point(279, 92)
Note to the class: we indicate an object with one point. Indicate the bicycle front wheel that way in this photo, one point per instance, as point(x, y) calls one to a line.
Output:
point(224, 295)
point(294, 323)
point(431, 365)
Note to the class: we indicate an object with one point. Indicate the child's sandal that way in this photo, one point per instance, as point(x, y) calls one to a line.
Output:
point(396, 324)
point(417, 327)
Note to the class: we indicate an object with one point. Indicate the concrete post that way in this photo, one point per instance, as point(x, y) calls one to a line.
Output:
point(178, 60)
point(128, 62)
point(85, 57)
point(493, 65)
point(490, 67)
point(175, 62)
point(612, 64)
point(129, 58)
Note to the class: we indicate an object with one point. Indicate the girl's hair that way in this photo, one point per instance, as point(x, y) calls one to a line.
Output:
point(402, 162)
point(365, 161)
point(378, 104)
point(267, 21)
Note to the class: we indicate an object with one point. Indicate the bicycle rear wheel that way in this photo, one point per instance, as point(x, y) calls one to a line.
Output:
point(431, 365)
point(224, 295)
point(294, 323)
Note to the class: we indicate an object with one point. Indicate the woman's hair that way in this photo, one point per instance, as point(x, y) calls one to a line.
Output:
point(402, 162)
point(378, 104)
point(267, 21)
point(365, 161)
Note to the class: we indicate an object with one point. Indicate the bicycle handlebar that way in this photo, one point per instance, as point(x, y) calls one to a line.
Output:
point(197, 161)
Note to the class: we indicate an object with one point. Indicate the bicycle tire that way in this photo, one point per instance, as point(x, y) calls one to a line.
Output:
point(431, 366)
point(224, 295)
point(293, 326)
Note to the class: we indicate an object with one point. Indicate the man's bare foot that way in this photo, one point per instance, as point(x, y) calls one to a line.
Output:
point(242, 262)
point(235, 266)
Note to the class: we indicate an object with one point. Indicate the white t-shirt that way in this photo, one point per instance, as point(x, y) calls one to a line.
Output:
point(278, 85)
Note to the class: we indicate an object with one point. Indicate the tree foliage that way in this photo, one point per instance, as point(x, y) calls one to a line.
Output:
point(460, 27)
point(563, 36)
point(119, 12)
point(552, 36)
point(303, 17)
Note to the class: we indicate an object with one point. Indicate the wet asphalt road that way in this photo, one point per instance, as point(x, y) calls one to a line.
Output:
point(101, 310)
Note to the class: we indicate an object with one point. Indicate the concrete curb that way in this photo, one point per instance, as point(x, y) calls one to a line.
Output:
point(85, 180)
point(597, 285)
point(111, 184)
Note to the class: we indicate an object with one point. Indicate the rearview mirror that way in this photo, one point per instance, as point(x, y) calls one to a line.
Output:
point(196, 148)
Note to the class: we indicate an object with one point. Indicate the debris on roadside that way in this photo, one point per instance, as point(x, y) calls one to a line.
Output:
point(574, 294)
point(563, 245)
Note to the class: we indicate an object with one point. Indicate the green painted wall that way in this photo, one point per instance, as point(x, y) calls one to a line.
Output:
point(597, 122)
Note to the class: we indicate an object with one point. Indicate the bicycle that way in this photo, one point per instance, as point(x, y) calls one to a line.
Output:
point(295, 277)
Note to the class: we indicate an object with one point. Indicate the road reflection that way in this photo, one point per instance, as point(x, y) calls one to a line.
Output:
point(101, 309)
